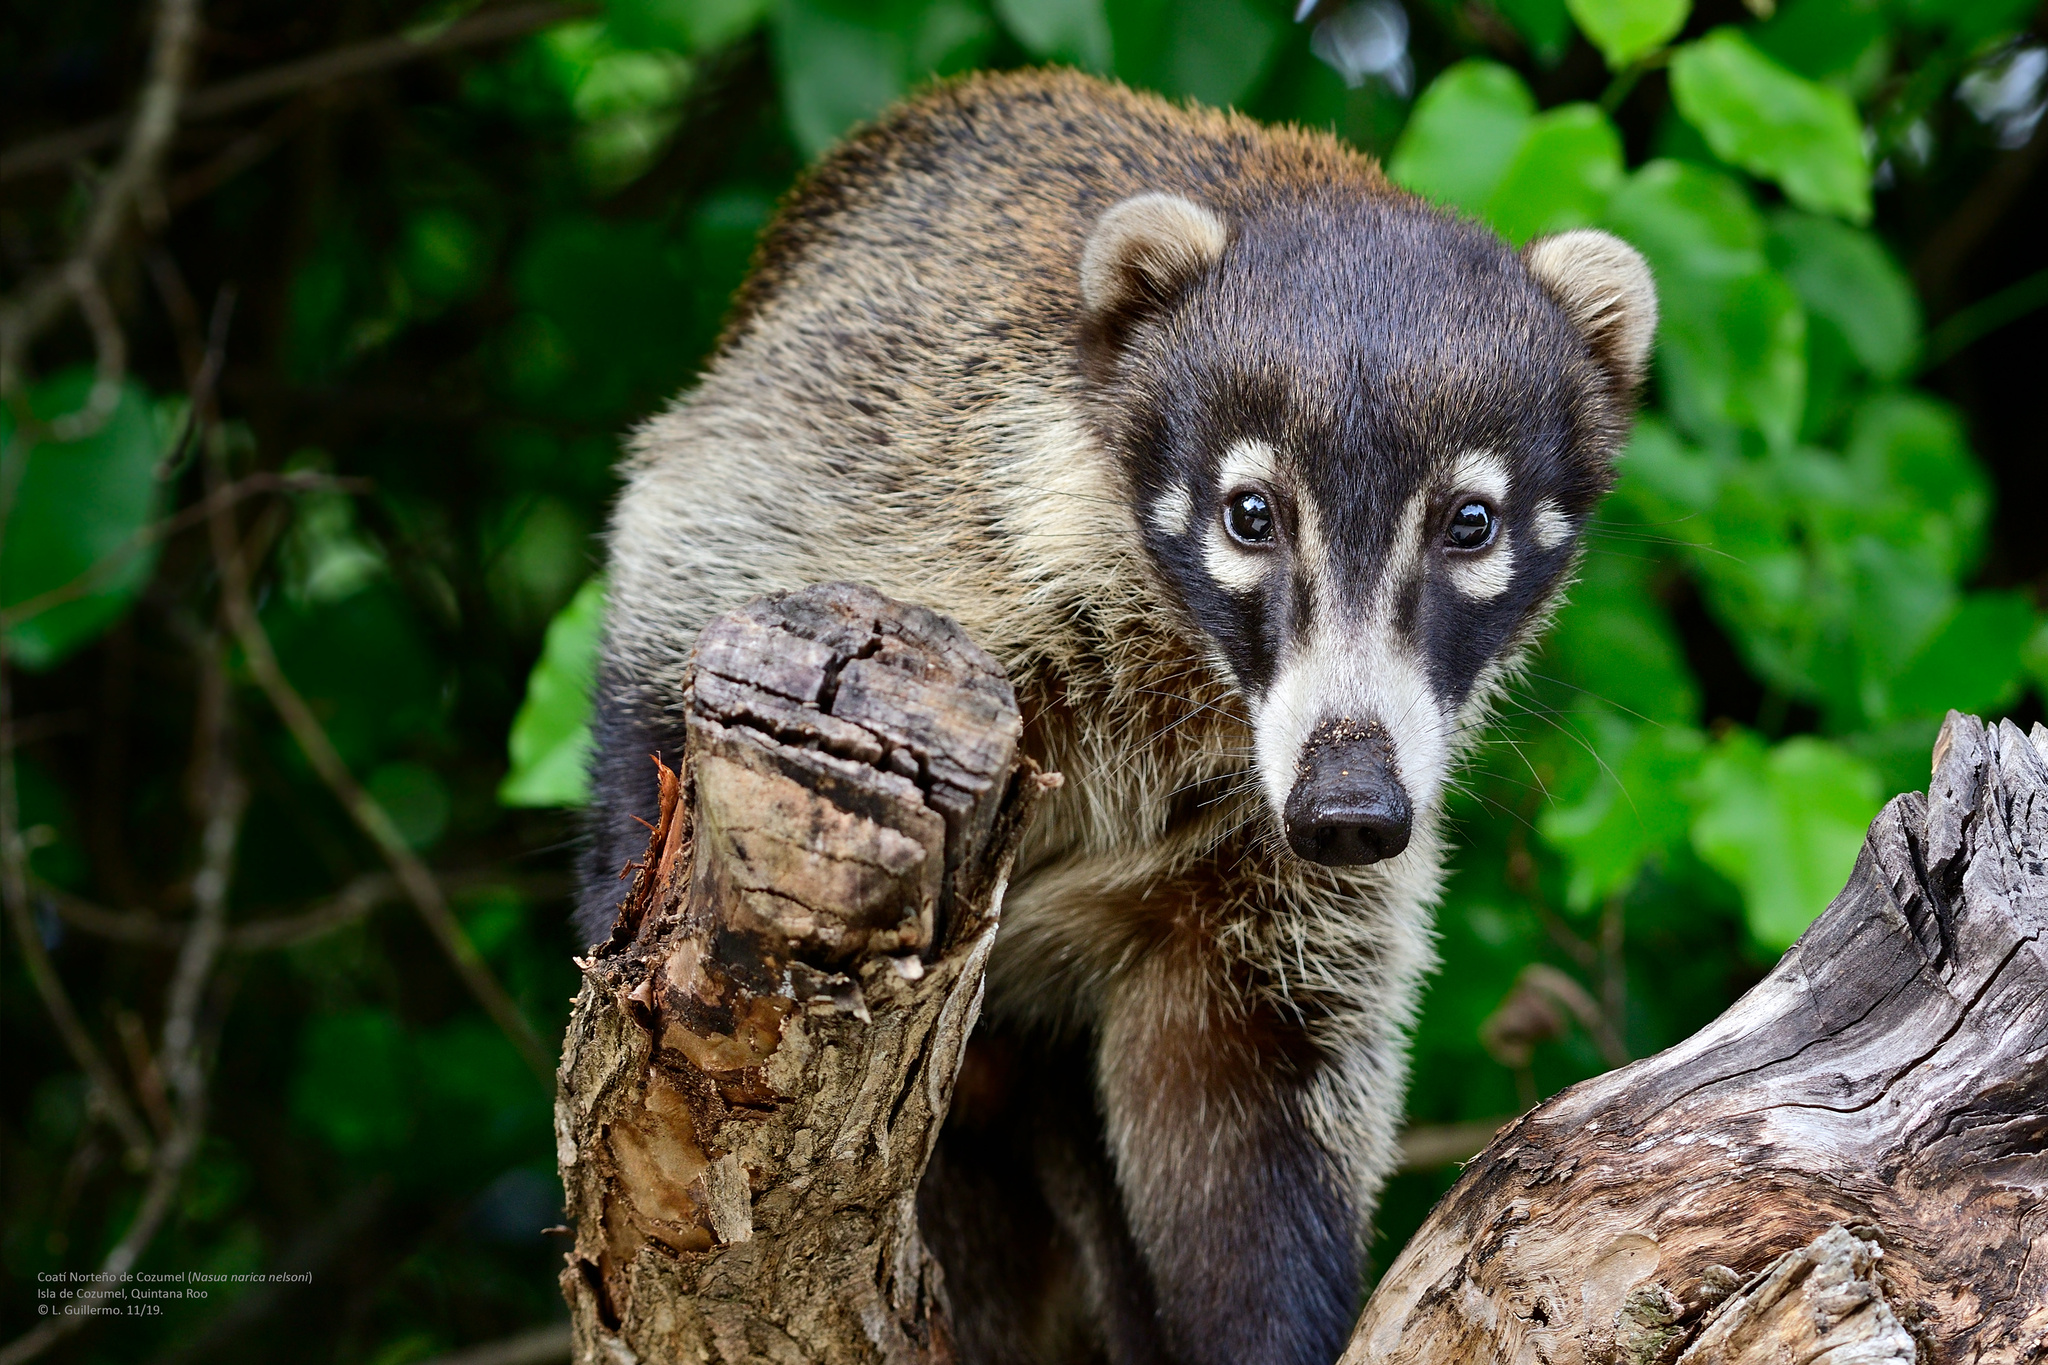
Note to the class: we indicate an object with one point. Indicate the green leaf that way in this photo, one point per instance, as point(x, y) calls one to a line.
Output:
point(2034, 657)
point(544, 558)
point(1732, 332)
point(1568, 164)
point(444, 255)
point(1845, 276)
point(1784, 825)
point(1737, 354)
point(1614, 640)
point(1774, 123)
point(1831, 573)
point(1845, 43)
point(1975, 664)
point(1913, 448)
point(1075, 31)
point(841, 63)
point(609, 307)
point(550, 740)
point(1624, 30)
point(1972, 23)
point(415, 799)
point(1692, 223)
point(363, 667)
point(1464, 135)
point(1635, 812)
point(78, 510)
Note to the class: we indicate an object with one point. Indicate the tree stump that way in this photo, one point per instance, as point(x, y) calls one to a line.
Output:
point(1846, 1168)
point(762, 1054)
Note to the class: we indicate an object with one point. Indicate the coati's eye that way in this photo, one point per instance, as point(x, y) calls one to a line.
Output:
point(1249, 519)
point(1472, 526)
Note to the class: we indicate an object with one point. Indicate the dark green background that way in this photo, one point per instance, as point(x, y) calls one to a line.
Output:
point(461, 278)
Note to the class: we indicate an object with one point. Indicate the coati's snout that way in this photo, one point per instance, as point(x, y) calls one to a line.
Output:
point(1348, 806)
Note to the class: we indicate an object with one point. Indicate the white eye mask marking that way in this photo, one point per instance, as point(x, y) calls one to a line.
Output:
point(1483, 474)
point(1550, 527)
point(1488, 573)
point(1170, 514)
point(1230, 564)
point(1246, 464)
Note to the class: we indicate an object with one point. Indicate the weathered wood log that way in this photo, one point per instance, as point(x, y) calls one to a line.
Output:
point(761, 1055)
point(1849, 1167)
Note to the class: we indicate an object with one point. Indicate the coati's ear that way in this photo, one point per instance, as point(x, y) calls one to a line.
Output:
point(1143, 251)
point(1605, 288)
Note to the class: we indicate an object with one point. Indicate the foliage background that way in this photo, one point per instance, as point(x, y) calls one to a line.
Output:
point(460, 277)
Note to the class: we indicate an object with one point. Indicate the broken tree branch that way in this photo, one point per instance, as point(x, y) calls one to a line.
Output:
point(762, 1053)
point(1847, 1166)
point(39, 302)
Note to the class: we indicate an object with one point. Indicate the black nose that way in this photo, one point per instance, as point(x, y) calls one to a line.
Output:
point(1348, 806)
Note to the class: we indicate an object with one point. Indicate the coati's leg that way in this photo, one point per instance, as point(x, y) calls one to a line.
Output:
point(1020, 1206)
point(1242, 1215)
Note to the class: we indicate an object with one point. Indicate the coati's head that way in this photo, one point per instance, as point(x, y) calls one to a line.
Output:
point(1363, 438)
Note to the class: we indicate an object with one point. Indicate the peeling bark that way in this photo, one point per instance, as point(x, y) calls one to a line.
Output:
point(761, 1055)
point(1846, 1168)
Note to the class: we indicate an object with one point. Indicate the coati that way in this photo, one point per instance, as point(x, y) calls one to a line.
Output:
point(1259, 475)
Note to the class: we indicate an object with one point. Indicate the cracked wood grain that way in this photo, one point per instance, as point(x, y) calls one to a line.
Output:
point(762, 1053)
point(1846, 1168)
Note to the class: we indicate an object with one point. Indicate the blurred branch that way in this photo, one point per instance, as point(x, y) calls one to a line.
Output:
point(239, 155)
point(370, 817)
point(350, 904)
point(310, 1250)
point(1522, 876)
point(1966, 326)
point(1428, 1146)
point(149, 1078)
point(222, 797)
point(40, 301)
point(358, 898)
point(110, 355)
point(1540, 1007)
point(108, 564)
point(288, 78)
point(1958, 237)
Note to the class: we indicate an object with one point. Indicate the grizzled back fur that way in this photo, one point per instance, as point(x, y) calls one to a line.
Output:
point(1258, 475)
